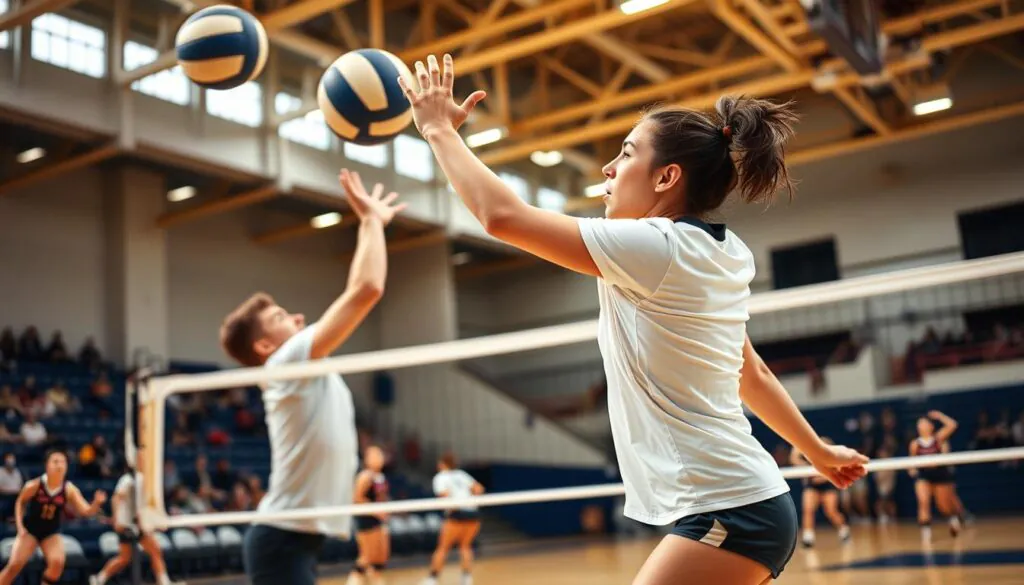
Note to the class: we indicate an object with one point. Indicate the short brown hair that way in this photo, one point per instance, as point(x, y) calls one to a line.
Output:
point(241, 329)
point(448, 460)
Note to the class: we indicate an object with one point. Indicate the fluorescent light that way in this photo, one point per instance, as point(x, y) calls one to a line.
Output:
point(326, 220)
point(181, 193)
point(31, 154)
point(461, 258)
point(485, 137)
point(595, 190)
point(634, 6)
point(932, 106)
point(548, 158)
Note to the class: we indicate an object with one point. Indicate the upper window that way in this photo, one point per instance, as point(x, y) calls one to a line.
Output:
point(375, 156)
point(805, 264)
point(550, 199)
point(5, 37)
point(243, 104)
point(169, 85)
point(518, 184)
point(413, 158)
point(310, 129)
point(69, 44)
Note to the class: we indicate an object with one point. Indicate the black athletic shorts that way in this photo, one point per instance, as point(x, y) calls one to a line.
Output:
point(935, 475)
point(462, 515)
point(366, 523)
point(765, 531)
point(280, 557)
point(822, 488)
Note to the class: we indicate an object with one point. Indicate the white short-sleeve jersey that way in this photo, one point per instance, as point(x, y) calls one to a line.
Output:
point(313, 444)
point(673, 298)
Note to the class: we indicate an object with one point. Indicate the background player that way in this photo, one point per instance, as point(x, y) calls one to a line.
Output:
point(672, 330)
point(934, 482)
point(122, 505)
point(39, 525)
point(460, 525)
point(311, 422)
point(372, 534)
point(819, 491)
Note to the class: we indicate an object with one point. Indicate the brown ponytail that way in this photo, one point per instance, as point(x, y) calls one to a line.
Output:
point(740, 145)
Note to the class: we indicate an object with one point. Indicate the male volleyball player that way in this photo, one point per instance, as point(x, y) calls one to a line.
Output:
point(311, 421)
point(673, 293)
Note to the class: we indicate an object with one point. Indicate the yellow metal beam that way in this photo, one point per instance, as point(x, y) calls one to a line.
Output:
point(299, 12)
point(301, 230)
point(217, 206)
point(56, 169)
point(31, 10)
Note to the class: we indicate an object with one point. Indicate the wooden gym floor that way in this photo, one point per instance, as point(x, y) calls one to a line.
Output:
point(990, 552)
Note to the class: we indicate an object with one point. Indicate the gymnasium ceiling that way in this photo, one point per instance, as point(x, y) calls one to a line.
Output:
point(569, 75)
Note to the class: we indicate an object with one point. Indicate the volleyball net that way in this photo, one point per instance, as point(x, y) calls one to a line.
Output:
point(884, 311)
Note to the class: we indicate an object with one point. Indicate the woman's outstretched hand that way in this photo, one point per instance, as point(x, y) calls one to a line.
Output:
point(433, 105)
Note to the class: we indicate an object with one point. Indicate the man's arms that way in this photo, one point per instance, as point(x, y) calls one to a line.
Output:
point(369, 268)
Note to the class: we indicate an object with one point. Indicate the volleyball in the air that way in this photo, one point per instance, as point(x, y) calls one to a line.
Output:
point(221, 47)
point(360, 98)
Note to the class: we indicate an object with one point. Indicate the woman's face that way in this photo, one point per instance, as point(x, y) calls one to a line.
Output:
point(925, 427)
point(57, 466)
point(631, 190)
point(375, 458)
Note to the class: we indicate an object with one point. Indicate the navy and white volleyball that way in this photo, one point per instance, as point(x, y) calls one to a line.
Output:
point(360, 97)
point(222, 47)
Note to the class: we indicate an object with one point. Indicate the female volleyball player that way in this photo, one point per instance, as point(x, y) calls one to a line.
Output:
point(934, 482)
point(673, 292)
point(818, 491)
point(40, 524)
point(460, 525)
point(123, 505)
point(372, 535)
point(311, 421)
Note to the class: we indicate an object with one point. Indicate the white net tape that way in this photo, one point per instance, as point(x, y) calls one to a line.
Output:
point(155, 393)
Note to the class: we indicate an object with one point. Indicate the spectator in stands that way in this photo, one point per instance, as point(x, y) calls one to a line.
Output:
point(100, 393)
point(96, 459)
point(986, 434)
point(35, 401)
point(171, 477)
point(256, 491)
point(10, 406)
point(8, 349)
point(30, 349)
point(890, 440)
point(57, 352)
point(6, 436)
point(239, 500)
point(181, 435)
point(89, 356)
point(1018, 431)
point(223, 478)
point(32, 431)
point(184, 501)
point(11, 482)
point(62, 399)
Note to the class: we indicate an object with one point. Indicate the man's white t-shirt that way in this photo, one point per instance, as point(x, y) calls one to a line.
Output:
point(672, 326)
point(456, 484)
point(313, 444)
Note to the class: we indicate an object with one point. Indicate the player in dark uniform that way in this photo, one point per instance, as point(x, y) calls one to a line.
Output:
point(936, 481)
point(39, 525)
point(819, 491)
point(372, 534)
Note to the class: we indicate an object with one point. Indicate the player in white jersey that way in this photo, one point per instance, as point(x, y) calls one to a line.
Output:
point(311, 422)
point(122, 506)
point(673, 291)
point(461, 525)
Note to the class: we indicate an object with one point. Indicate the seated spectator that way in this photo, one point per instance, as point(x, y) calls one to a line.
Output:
point(10, 405)
point(184, 501)
point(8, 349)
point(100, 393)
point(56, 352)
point(6, 436)
point(62, 399)
point(223, 478)
point(33, 432)
point(181, 435)
point(239, 500)
point(256, 491)
point(89, 356)
point(171, 477)
point(35, 401)
point(30, 349)
point(987, 435)
point(96, 459)
point(11, 482)
point(1018, 431)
